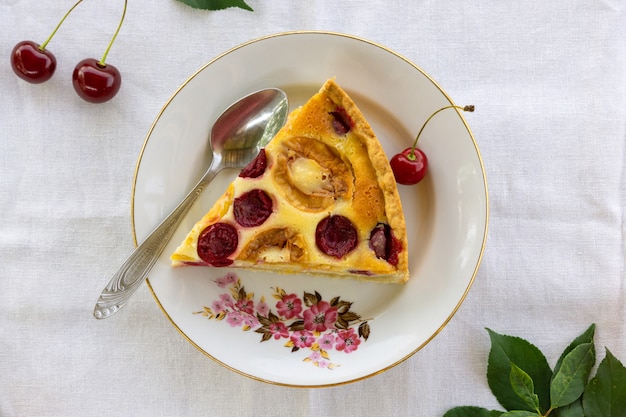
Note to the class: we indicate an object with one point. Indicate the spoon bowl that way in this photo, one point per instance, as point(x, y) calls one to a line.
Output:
point(237, 136)
point(244, 128)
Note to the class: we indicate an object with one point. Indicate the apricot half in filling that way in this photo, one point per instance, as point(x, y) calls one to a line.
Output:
point(276, 245)
point(311, 174)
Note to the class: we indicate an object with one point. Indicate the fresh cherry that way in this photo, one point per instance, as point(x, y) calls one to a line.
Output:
point(95, 82)
point(410, 166)
point(32, 63)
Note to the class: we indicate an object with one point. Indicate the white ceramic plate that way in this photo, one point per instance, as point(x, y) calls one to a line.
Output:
point(447, 217)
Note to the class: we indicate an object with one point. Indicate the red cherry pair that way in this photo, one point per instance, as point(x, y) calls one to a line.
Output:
point(409, 166)
point(93, 80)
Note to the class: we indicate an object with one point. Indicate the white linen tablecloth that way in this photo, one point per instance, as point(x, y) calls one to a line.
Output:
point(548, 80)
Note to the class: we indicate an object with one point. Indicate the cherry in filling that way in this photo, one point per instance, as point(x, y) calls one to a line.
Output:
point(256, 167)
point(251, 209)
point(336, 236)
point(384, 244)
point(342, 123)
point(216, 243)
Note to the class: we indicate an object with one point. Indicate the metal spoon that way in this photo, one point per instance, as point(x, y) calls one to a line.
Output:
point(236, 138)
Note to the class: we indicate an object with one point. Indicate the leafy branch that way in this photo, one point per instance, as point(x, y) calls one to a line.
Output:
point(520, 378)
point(216, 4)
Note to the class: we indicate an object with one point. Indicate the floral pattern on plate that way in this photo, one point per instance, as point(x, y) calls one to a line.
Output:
point(308, 322)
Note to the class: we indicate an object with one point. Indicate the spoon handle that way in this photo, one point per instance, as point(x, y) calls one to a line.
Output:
point(135, 269)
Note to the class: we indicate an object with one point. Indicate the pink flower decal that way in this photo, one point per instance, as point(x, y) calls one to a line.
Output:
point(245, 306)
point(227, 301)
point(250, 322)
point(318, 360)
point(320, 317)
point(302, 339)
point(348, 341)
point(289, 306)
point(226, 280)
point(218, 306)
point(278, 330)
point(235, 319)
point(262, 308)
point(306, 323)
point(327, 341)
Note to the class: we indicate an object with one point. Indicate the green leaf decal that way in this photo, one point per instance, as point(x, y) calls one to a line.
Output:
point(605, 395)
point(507, 349)
point(585, 337)
point(524, 387)
point(469, 411)
point(569, 382)
point(216, 4)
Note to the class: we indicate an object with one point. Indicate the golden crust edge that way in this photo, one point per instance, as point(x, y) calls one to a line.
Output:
point(378, 157)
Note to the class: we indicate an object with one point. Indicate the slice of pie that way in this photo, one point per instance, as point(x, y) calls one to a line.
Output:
point(320, 198)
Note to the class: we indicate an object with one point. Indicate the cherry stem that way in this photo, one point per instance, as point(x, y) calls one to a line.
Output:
point(119, 26)
point(411, 155)
point(42, 47)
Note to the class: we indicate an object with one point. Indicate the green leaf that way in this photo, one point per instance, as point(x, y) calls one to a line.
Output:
point(507, 349)
point(569, 382)
point(605, 395)
point(574, 409)
point(216, 4)
point(520, 413)
point(585, 337)
point(469, 411)
point(523, 386)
